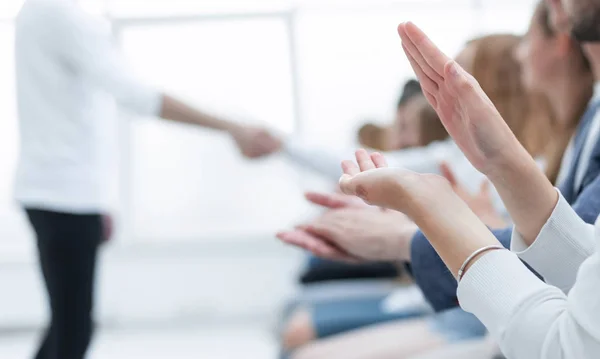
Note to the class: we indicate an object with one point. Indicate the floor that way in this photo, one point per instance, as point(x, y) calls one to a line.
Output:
point(237, 342)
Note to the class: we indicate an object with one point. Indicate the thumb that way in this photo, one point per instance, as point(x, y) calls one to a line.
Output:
point(347, 185)
point(448, 174)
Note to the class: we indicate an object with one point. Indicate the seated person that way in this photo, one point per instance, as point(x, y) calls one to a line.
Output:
point(496, 52)
point(415, 124)
point(529, 318)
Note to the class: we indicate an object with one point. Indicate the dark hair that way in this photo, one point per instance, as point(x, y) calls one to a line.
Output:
point(431, 128)
point(411, 89)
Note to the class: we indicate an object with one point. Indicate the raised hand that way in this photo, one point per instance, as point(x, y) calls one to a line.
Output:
point(465, 110)
point(255, 142)
point(480, 132)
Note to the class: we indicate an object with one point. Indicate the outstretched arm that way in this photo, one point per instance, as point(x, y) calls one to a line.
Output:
point(252, 141)
point(84, 43)
point(327, 162)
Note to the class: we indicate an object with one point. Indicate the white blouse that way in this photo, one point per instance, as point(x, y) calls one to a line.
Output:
point(532, 319)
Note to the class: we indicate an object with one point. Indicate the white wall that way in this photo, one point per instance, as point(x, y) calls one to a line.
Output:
point(154, 285)
point(186, 191)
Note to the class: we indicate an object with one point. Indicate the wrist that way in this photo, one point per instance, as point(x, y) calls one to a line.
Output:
point(432, 197)
point(403, 240)
point(233, 128)
point(514, 161)
point(474, 257)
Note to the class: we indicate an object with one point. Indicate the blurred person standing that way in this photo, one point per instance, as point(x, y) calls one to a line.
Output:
point(69, 75)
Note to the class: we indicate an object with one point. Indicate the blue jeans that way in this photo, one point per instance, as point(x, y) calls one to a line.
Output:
point(456, 325)
point(340, 316)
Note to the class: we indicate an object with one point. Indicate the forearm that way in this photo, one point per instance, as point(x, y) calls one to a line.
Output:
point(178, 111)
point(526, 192)
point(453, 230)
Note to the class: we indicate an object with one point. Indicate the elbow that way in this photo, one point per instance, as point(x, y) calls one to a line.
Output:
point(546, 329)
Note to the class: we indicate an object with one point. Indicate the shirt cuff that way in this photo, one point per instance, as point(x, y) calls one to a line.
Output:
point(149, 102)
point(564, 237)
point(494, 288)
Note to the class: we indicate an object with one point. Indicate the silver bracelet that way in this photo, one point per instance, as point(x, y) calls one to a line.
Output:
point(473, 255)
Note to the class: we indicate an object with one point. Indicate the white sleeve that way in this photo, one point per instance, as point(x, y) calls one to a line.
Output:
point(84, 43)
point(328, 162)
point(423, 159)
point(529, 318)
point(324, 161)
point(564, 237)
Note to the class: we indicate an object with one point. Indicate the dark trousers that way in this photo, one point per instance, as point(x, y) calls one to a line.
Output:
point(67, 247)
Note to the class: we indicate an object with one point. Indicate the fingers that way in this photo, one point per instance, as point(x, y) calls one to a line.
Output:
point(428, 55)
point(431, 99)
point(448, 174)
point(431, 79)
point(378, 160)
point(364, 160)
point(323, 231)
point(427, 84)
point(329, 200)
point(314, 244)
point(350, 168)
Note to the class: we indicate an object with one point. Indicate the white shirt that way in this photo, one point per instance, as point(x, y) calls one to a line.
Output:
point(590, 142)
point(531, 319)
point(69, 75)
point(327, 161)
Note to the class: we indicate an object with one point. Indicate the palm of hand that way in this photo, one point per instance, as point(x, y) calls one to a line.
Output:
point(392, 188)
point(375, 186)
